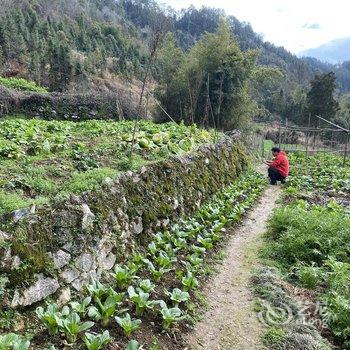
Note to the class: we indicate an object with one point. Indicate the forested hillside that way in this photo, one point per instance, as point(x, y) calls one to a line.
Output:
point(89, 36)
point(56, 42)
point(64, 44)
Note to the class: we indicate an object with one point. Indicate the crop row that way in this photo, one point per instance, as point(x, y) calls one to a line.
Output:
point(29, 137)
point(319, 172)
point(21, 84)
point(155, 286)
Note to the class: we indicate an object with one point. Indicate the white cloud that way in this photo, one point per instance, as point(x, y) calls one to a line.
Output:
point(282, 21)
point(311, 26)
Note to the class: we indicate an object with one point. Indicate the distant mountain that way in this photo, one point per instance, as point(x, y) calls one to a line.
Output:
point(335, 51)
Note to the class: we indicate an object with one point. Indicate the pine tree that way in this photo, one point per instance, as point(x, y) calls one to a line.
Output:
point(4, 47)
point(60, 66)
point(320, 98)
point(35, 66)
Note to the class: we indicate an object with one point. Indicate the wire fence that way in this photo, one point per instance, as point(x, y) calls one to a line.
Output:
point(254, 143)
point(326, 137)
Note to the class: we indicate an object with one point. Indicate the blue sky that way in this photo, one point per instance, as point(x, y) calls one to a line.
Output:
point(295, 24)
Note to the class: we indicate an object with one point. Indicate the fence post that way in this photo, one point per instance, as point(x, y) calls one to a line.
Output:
point(307, 136)
point(286, 136)
point(279, 134)
point(346, 148)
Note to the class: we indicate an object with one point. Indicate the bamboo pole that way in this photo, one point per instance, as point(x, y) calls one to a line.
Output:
point(331, 123)
point(280, 134)
point(307, 136)
point(346, 148)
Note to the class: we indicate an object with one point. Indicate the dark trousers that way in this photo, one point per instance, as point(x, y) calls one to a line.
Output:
point(275, 176)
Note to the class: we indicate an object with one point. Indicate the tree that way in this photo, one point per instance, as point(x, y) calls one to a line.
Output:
point(320, 98)
point(4, 47)
point(34, 66)
point(60, 66)
point(265, 88)
point(343, 114)
point(211, 86)
point(170, 58)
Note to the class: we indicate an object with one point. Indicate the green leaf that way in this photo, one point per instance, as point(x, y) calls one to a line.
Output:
point(132, 345)
point(128, 325)
point(97, 341)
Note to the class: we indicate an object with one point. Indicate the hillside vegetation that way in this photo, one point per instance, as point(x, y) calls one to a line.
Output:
point(67, 45)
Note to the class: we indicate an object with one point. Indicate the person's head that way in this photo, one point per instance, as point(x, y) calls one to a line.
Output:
point(275, 151)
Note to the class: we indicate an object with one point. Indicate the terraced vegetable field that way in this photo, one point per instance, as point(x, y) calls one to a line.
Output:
point(151, 296)
point(44, 160)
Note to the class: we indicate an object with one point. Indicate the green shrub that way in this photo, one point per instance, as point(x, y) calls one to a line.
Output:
point(337, 299)
point(88, 180)
point(11, 201)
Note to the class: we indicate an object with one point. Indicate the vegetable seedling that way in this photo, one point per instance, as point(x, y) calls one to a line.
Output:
point(128, 325)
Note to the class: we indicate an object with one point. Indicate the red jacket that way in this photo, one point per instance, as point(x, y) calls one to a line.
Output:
point(281, 164)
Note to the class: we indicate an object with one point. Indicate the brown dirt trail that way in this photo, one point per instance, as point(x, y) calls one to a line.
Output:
point(231, 323)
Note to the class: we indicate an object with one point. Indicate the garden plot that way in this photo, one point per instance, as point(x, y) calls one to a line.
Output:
point(308, 242)
point(49, 160)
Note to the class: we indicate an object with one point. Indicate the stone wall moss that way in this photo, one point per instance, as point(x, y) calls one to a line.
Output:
point(73, 106)
point(124, 212)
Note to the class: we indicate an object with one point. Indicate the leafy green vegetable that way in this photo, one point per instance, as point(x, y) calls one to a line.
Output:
point(21, 84)
point(129, 325)
point(157, 274)
point(170, 316)
point(13, 341)
point(178, 296)
point(141, 301)
point(106, 306)
point(133, 345)
point(163, 260)
point(97, 341)
point(97, 290)
point(55, 158)
point(146, 286)
point(81, 308)
point(189, 281)
point(164, 250)
point(123, 275)
point(51, 316)
point(72, 326)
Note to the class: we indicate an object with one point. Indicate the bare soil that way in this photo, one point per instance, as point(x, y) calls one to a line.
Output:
point(230, 321)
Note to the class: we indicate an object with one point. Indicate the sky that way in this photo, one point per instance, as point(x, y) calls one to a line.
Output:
point(295, 24)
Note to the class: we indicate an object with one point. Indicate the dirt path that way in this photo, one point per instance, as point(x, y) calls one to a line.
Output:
point(230, 322)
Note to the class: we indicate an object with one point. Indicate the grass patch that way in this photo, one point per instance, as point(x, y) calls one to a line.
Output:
point(311, 243)
point(90, 179)
point(274, 338)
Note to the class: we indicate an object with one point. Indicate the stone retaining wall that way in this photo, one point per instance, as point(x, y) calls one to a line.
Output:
point(58, 248)
point(69, 106)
